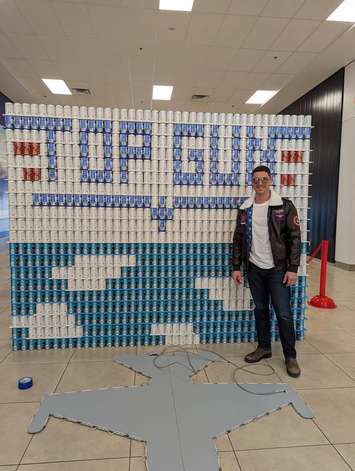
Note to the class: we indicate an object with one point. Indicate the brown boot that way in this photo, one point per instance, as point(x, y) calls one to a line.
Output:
point(257, 355)
point(292, 367)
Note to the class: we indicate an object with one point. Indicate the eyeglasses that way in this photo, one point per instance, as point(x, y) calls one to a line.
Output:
point(262, 180)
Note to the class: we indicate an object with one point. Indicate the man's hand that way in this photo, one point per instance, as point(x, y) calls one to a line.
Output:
point(237, 277)
point(290, 278)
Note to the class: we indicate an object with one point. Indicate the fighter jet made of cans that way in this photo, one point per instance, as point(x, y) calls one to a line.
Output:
point(176, 418)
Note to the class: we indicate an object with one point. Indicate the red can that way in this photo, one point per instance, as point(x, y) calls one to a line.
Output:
point(18, 148)
point(292, 156)
point(298, 157)
point(36, 174)
point(285, 157)
point(291, 180)
point(27, 174)
point(27, 148)
point(35, 148)
point(284, 179)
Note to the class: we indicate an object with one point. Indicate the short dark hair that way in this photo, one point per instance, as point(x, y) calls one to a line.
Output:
point(262, 168)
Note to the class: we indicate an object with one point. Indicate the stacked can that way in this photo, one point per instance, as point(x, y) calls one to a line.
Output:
point(121, 222)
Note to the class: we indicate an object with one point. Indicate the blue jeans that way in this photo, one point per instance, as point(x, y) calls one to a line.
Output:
point(265, 284)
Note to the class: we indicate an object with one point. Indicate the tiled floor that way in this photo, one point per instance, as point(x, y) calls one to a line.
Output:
point(279, 441)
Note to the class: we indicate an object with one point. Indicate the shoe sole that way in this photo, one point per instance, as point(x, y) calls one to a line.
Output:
point(294, 375)
point(267, 355)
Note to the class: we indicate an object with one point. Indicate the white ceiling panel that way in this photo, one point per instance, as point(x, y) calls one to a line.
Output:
point(282, 8)
point(12, 20)
point(207, 78)
point(294, 34)
point(62, 50)
point(246, 59)
point(7, 48)
point(234, 30)
point(247, 7)
point(276, 81)
point(317, 9)
point(296, 62)
point(211, 6)
point(264, 33)
point(18, 67)
point(122, 25)
point(45, 68)
point(74, 18)
point(29, 45)
point(271, 61)
point(219, 57)
point(41, 15)
point(243, 80)
point(137, 4)
point(222, 94)
point(204, 27)
point(172, 26)
point(325, 34)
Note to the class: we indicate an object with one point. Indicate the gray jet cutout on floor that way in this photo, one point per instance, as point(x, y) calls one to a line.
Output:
point(175, 417)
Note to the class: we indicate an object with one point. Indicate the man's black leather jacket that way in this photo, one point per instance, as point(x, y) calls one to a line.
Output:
point(284, 233)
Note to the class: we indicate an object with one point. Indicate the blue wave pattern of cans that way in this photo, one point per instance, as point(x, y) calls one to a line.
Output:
point(159, 289)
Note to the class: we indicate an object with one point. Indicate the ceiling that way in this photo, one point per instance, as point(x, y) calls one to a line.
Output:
point(119, 48)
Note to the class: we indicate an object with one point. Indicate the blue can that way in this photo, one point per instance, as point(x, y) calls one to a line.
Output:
point(124, 177)
point(83, 124)
point(107, 125)
point(51, 124)
point(108, 164)
point(131, 127)
point(37, 199)
point(131, 152)
point(177, 178)
point(77, 200)
point(147, 201)
point(139, 127)
point(9, 121)
point(192, 130)
point(100, 175)
point(59, 124)
point(61, 200)
point(42, 123)
point(83, 137)
point(99, 125)
point(51, 135)
point(146, 140)
point(236, 131)
point(91, 125)
point(108, 152)
point(107, 139)
point(34, 122)
point(67, 124)
point(85, 199)
point(26, 122)
point(69, 199)
point(146, 152)
point(84, 178)
point(84, 150)
point(84, 163)
point(214, 130)
point(52, 174)
point(200, 130)
point(185, 129)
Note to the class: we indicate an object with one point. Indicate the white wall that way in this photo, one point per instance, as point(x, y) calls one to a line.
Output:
point(345, 235)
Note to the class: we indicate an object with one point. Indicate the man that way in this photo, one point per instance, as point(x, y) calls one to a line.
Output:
point(267, 240)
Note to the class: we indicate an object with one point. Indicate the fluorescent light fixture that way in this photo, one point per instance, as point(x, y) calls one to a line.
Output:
point(58, 87)
point(176, 5)
point(260, 97)
point(344, 12)
point(162, 92)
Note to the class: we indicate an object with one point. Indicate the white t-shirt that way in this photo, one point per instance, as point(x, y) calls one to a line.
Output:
point(261, 254)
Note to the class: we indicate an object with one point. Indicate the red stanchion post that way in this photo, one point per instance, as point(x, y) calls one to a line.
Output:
point(322, 300)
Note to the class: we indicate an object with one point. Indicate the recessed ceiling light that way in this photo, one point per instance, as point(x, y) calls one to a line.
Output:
point(162, 92)
point(58, 87)
point(260, 97)
point(176, 5)
point(344, 12)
